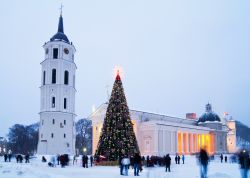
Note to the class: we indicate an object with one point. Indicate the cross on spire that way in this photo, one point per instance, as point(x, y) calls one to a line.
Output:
point(61, 9)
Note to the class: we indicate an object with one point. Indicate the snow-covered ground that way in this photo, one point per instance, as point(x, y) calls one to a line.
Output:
point(37, 169)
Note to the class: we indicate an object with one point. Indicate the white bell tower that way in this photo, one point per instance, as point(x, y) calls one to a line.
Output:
point(57, 112)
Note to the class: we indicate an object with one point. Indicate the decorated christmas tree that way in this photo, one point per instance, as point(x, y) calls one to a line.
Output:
point(117, 137)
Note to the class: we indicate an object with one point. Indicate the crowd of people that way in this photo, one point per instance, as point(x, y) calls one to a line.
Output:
point(137, 162)
point(19, 158)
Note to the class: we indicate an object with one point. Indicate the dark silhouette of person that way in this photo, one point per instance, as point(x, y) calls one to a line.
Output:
point(121, 165)
point(83, 161)
point(221, 158)
point(9, 156)
point(5, 157)
point(167, 162)
point(244, 162)
point(91, 160)
point(86, 161)
point(137, 164)
point(27, 158)
point(225, 159)
point(178, 159)
point(203, 158)
point(147, 161)
point(58, 159)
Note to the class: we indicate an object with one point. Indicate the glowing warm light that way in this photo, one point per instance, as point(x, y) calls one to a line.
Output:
point(118, 70)
point(179, 142)
point(199, 142)
point(202, 140)
point(185, 138)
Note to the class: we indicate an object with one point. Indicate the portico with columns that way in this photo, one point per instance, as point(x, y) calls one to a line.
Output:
point(160, 134)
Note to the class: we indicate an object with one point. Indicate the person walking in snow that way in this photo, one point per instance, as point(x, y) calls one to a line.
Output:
point(178, 159)
point(244, 162)
point(121, 165)
point(9, 156)
point(125, 163)
point(147, 160)
point(221, 158)
point(167, 162)
point(83, 161)
point(203, 158)
point(225, 159)
point(183, 159)
point(86, 161)
point(5, 157)
point(58, 159)
point(27, 158)
point(137, 164)
point(91, 160)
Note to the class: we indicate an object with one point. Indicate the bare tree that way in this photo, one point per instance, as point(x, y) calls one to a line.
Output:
point(84, 136)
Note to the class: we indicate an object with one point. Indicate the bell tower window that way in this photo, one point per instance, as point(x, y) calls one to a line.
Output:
point(55, 53)
point(66, 77)
point(53, 76)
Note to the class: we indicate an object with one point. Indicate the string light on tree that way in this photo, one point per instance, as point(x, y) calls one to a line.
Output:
point(117, 137)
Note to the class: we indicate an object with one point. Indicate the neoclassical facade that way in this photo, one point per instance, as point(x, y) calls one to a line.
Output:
point(57, 111)
point(160, 134)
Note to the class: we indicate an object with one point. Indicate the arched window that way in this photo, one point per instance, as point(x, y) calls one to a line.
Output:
point(53, 75)
point(66, 77)
point(44, 75)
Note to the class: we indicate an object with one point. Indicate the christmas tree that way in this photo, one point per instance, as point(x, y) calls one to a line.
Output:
point(117, 137)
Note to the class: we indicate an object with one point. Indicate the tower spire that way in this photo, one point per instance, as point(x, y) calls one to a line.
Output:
point(60, 24)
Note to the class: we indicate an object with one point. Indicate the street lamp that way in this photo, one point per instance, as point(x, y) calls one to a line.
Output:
point(84, 149)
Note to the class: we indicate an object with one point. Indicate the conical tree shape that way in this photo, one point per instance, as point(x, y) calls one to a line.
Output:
point(117, 137)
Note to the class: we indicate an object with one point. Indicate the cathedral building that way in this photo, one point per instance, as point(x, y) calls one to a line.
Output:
point(57, 112)
point(161, 134)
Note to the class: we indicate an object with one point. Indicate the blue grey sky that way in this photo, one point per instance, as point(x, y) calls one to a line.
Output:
point(176, 55)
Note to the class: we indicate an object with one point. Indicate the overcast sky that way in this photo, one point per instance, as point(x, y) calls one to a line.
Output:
point(176, 55)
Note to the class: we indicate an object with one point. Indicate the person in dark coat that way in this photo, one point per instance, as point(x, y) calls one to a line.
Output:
point(178, 159)
point(137, 164)
point(83, 161)
point(58, 159)
point(244, 162)
point(5, 157)
point(225, 159)
point(27, 158)
point(203, 158)
point(21, 158)
point(86, 161)
point(147, 160)
point(9, 156)
point(167, 162)
point(91, 160)
point(121, 165)
point(221, 158)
